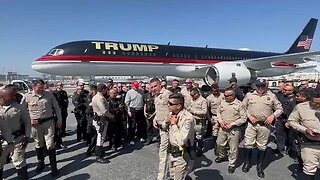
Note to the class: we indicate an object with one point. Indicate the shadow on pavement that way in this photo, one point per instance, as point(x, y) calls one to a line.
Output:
point(203, 174)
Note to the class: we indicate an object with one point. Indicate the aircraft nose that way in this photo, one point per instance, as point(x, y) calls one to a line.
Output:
point(38, 65)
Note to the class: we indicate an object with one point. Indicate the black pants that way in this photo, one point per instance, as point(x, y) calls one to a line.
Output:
point(151, 131)
point(91, 139)
point(81, 125)
point(294, 142)
point(281, 135)
point(64, 114)
point(115, 132)
point(137, 120)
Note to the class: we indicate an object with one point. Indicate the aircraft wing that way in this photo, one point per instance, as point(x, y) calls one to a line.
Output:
point(288, 60)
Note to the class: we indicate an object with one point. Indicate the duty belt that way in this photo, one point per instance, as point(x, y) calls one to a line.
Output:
point(261, 123)
point(45, 119)
point(175, 151)
point(306, 141)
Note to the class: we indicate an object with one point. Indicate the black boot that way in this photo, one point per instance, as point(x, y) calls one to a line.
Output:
point(100, 155)
point(1, 173)
point(198, 147)
point(53, 162)
point(40, 156)
point(308, 177)
point(23, 173)
point(261, 155)
point(215, 145)
point(247, 156)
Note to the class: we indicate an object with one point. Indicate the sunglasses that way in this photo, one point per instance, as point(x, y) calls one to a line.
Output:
point(228, 95)
point(171, 104)
point(188, 82)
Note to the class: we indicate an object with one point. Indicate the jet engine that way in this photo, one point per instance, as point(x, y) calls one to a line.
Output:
point(221, 72)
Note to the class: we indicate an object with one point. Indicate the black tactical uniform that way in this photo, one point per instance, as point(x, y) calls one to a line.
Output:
point(288, 103)
point(79, 102)
point(91, 130)
point(62, 98)
point(115, 127)
point(150, 114)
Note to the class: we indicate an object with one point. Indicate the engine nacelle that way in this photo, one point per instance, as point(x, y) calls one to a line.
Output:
point(221, 72)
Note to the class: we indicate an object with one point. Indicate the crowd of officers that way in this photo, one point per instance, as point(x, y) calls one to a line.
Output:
point(179, 119)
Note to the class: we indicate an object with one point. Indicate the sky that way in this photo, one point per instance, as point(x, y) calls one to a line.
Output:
point(29, 29)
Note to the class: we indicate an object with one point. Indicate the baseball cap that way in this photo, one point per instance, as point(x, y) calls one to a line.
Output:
point(260, 82)
point(135, 84)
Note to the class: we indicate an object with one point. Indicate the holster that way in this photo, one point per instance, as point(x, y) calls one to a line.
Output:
point(306, 141)
point(175, 151)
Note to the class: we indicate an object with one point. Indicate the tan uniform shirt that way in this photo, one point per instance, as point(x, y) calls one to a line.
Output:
point(161, 105)
point(262, 106)
point(5, 130)
point(233, 113)
point(303, 117)
point(101, 106)
point(180, 133)
point(213, 102)
point(198, 108)
point(14, 115)
point(187, 98)
point(42, 106)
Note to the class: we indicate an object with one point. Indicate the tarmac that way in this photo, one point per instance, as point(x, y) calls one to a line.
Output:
point(139, 162)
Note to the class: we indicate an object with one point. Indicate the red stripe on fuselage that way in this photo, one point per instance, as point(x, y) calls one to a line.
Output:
point(127, 59)
point(283, 64)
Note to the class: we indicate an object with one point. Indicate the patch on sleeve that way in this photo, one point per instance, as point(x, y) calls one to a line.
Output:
point(188, 125)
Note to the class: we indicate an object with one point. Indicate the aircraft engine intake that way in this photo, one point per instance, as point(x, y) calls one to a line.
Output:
point(222, 72)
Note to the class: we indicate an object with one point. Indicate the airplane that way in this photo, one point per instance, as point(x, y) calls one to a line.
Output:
point(110, 58)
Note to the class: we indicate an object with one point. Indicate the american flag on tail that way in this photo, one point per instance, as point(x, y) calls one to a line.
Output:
point(304, 42)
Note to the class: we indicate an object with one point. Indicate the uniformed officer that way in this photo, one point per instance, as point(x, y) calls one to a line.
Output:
point(175, 86)
point(41, 106)
point(185, 91)
point(181, 134)
point(62, 98)
point(199, 109)
point(79, 102)
point(91, 130)
point(288, 102)
point(162, 112)
point(150, 112)
point(305, 118)
point(262, 109)
point(233, 84)
point(18, 119)
point(102, 116)
point(231, 114)
point(116, 126)
point(213, 101)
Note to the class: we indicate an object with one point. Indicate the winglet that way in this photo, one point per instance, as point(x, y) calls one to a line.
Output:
point(304, 40)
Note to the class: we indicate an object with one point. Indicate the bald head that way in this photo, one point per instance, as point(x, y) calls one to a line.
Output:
point(7, 96)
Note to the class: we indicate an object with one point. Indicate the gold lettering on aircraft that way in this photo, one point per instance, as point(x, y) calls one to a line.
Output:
point(124, 46)
point(109, 45)
point(139, 47)
point(98, 44)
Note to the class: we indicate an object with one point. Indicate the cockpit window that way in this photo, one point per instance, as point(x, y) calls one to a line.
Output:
point(56, 52)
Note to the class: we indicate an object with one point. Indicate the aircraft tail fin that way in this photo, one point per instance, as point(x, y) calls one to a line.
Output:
point(304, 40)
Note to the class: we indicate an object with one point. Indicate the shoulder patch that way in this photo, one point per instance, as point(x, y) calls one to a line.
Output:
point(188, 125)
